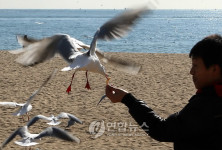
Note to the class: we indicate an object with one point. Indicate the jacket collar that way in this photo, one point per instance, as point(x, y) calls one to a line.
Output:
point(215, 89)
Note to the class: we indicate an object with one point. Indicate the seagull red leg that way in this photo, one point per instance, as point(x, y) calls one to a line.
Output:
point(69, 88)
point(27, 115)
point(87, 82)
point(23, 118)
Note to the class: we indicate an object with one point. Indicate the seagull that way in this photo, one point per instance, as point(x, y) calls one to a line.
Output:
point(26, 107)
point(53, 120)
point(44, 49)
point(28, 139)
point(72, 119)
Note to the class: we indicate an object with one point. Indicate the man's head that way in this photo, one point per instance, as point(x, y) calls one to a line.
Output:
point(207, 61)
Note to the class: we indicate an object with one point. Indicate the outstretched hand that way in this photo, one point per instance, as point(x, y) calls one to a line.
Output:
point(115, 94)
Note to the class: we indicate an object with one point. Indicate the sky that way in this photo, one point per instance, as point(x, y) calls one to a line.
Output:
point(109, 4)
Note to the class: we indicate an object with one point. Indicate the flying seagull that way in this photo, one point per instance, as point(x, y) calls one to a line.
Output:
point(53, 120)
point(29, 139)
point(43, 49)
point(72, 119)
point(26, 107)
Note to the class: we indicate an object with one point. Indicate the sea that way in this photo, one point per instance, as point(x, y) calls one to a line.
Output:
point(159, 31)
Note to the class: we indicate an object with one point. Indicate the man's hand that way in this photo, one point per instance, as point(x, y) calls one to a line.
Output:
point(115, 94)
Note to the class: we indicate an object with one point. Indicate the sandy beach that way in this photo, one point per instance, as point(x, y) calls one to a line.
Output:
point(164, 83)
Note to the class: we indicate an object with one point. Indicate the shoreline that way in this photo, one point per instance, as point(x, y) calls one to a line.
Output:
point(124, 52)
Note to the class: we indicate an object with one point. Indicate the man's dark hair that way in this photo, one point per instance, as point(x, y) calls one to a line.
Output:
point(209, 49)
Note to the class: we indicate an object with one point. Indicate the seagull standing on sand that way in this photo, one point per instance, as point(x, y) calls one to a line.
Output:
point(41, 50)
point(26, 107)
point(29, 139)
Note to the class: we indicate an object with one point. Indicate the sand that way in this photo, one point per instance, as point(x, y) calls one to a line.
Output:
point(164, 83)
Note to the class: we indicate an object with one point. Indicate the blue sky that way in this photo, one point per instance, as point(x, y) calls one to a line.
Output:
point(108, 4)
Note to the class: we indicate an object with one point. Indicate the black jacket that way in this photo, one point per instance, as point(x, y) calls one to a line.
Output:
point(198, 126)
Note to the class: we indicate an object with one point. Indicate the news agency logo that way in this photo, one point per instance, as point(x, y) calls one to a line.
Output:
point(97, 128)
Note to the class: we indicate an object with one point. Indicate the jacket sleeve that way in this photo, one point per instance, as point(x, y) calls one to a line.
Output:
point(184, 124)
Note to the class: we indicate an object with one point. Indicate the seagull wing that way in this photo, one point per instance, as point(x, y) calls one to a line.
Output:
point(74, 118)
point(70, 116)
point(24, 40)
point(17, 51)
point(117, 27)
point(10, 138)
point(27, 106)
point(80, 45)
point(37, 51)
point(11, 104)
point(62, 115)
point(67, 47)
point(43, 84)
point(121, 24)
point(121, 65)
point(59, 133)
point(36, 118)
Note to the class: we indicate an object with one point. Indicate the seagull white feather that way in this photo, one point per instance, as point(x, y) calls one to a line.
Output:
point(28, 139)
point(53, 120)
point(26, 107)
point(72, 119)
point(40, 50)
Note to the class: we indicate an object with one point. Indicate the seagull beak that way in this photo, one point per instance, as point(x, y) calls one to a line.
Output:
point(107, 81)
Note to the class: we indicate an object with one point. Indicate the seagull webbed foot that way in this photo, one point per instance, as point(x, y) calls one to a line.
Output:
point(87, 85)
point(87, 81)
point(69, 88)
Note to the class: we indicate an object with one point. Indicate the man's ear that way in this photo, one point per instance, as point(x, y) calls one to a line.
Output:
point(216, 69)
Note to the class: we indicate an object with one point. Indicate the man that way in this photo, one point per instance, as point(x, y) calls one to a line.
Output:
point(198, 126)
